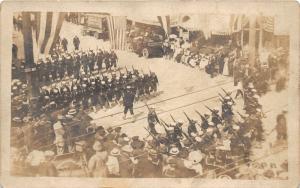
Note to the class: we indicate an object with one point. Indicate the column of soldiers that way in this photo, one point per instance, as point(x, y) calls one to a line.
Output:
point(61, 65)
point(100, 89)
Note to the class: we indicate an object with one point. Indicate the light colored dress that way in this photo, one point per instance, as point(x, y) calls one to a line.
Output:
point(96, 164)
point(225, 68)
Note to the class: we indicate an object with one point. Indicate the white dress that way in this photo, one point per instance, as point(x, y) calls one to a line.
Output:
point(225, 68)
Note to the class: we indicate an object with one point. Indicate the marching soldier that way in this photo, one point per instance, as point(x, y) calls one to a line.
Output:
point(128, 99)
point(91, 61)
point(99, 59)
point(64, 43)
point(113, 59)
point(152, 120)
point(76, 42)
point(153, 81)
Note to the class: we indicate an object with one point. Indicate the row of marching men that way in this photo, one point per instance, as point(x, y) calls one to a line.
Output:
point(222, 136)
point(57, 66)
point(99, 89)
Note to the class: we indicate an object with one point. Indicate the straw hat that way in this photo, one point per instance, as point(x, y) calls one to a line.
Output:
point(72, 111)
point(174, 151)
point(115, 152)
point(195, 157)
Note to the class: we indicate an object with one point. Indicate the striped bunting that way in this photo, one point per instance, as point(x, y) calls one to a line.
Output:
point(44, 28)
point(117, 31)
point(165, 23)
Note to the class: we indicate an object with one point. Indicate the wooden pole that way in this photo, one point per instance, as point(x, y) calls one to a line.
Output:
point(28, 52)
point(252, 37)
point(260, 45)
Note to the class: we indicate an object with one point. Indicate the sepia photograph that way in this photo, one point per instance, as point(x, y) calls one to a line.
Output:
point(149, 96)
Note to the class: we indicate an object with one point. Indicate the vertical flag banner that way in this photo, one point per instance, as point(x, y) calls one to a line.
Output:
point(42, 32)
point(165, 23)
point(117, 31)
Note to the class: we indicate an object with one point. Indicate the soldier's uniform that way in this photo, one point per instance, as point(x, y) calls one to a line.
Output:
point(91, 61)
point(153, 82)
point(99, 59)
point(113, 59)
point(106, 61)
point(152, 121)
point(128, 101)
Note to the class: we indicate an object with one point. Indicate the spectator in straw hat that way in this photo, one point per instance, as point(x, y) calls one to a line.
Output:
point(112, 164)
point(194, 162)
point(96, 164)
point(59, 137)
point(170, 168)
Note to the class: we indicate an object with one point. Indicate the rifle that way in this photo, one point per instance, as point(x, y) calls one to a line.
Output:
point(151, 134)
point(132, 68)
point(147, 106)
point(126, 69)
point(216, 114)
point(190, 121)
point(229, 95)
point(172, 118)
point(223, 98)
point(162, 123)
point(221, 101)
point(187, 136)
point(202, 117)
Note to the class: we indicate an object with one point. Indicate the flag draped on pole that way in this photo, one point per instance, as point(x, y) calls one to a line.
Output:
point(165, 22)
point(42, 31)
point(117, 31)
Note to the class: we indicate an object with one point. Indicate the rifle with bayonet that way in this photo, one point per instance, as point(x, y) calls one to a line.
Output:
point(173, 118)
point(202, 117)
point(126, 70)
point(151, 134)
point(215, 113)
point(162, 123)
point(229, 95)
point(190, 121)
point(223, 98)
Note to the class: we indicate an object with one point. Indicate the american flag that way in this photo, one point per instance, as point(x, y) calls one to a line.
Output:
point(42, 30)
point(117, 31)
point(165, 22)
